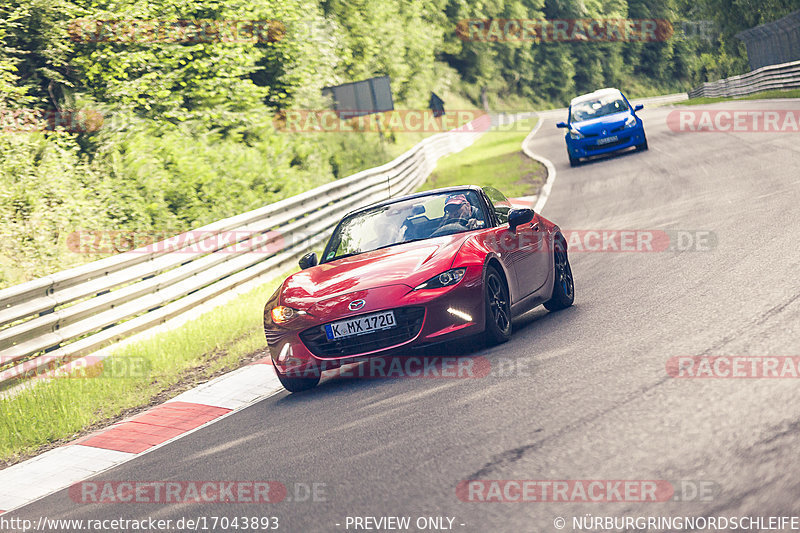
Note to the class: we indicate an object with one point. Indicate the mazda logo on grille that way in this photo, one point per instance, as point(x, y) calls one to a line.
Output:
point(605, 132)
point(355, 305)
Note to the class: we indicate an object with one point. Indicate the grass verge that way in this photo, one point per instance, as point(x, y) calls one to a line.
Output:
point(51, 413)
point(764, 95)
point(495, 159)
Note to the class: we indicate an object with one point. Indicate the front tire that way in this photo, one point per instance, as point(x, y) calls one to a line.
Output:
point(297, 384)
point(563, 285)
point(574, 161)
point(642, 147)
point(498, 307)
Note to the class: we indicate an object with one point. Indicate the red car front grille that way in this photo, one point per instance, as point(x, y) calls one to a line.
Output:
point(409, 322)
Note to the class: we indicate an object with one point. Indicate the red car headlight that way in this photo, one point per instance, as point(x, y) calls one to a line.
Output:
point(445, 279)
point(281, 314)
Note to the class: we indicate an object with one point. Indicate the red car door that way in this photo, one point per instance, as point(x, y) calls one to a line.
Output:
point(524, 251)
point(533, 262)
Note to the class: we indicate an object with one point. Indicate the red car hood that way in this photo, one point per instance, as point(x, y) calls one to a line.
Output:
point(409, 264)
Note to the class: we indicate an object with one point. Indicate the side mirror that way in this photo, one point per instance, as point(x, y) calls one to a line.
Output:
point(638, 107)
point(517, 217)
point(309, 260)
point(562, 125)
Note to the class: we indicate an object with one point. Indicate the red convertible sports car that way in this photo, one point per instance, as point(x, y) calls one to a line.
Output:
point(413, 271)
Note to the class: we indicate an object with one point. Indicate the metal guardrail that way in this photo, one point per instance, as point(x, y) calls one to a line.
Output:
point(783, 76)
point(61, 317)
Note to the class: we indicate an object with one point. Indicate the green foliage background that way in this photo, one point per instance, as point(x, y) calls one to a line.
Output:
point(188, 135)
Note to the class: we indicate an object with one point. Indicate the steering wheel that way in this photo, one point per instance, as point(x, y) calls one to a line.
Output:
point(451, 227)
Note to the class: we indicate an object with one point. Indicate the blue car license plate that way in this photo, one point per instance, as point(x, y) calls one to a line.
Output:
point(607, 140)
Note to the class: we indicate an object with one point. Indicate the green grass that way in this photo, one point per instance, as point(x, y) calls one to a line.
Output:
point(495, 159)
point(176, 360)
point(765, 95)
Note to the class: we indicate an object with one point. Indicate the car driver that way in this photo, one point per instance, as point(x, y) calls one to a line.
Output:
point(458, 210)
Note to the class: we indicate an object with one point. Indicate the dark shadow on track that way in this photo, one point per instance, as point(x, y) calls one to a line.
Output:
point(446, 361)
point(540, 315)
point(606, 157)
point(440, 361)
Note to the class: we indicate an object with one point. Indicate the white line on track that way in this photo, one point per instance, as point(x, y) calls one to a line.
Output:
point(544, 194)
point(770, 194)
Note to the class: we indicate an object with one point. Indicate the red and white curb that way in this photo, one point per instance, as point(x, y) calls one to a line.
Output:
point(59, 468)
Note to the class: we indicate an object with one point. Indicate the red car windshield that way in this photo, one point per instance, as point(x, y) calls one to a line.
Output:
point(403, 221)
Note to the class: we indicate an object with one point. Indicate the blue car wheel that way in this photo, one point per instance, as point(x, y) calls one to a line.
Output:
point(643, 146)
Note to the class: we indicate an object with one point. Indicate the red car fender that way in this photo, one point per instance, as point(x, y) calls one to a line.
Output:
point(483, 248)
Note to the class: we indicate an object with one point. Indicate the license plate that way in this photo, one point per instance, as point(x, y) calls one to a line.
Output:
point(608, 140)
point(360, 325)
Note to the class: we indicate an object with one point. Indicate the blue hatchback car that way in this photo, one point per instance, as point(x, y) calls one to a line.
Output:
point(600, 123)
